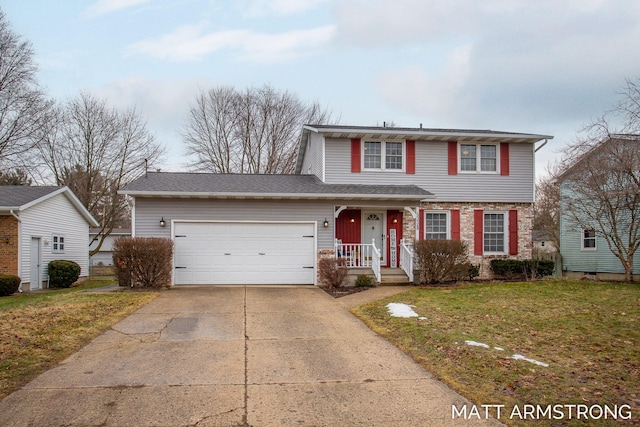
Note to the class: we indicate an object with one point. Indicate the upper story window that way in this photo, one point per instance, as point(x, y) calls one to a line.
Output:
point(435, 226)
point(588, 240)
point(478, 158)
point(57, 244)
point(383, 155)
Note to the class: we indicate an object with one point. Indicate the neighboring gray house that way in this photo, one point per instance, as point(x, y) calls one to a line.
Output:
point(585, 251)
point(362, 193)
point(104, 257)
point(40, 224)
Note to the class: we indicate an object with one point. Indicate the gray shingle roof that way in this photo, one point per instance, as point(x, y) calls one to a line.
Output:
point(14, 196)
point(177, 184)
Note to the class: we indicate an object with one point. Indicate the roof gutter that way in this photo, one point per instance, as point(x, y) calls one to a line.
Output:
point(312, 196)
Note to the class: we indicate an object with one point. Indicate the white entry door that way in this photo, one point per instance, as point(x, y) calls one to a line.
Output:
point(36, 261)
point(373, 227)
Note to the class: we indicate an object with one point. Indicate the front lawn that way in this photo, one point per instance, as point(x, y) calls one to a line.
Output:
point(587, 333)
point(40, 329)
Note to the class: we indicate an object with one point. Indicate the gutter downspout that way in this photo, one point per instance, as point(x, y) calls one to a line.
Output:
point(15, 215)
point(11, 211)
point(543, 144)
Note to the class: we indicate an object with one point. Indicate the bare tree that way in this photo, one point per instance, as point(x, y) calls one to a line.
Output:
point(15, 177)
point(546, 210)
point(22, 103)
point(96, 150)
point(255, 131)
point(602, 179)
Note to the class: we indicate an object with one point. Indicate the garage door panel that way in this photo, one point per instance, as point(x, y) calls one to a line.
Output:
point(244, 253)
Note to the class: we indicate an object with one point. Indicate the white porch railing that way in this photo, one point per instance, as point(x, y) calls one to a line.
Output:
point(406, 259)
point(360, 255)
point(375, 261)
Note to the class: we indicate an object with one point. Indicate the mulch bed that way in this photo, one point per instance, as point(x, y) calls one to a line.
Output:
point(343, 291)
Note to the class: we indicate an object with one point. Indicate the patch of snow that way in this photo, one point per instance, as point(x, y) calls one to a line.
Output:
point(422, 318)
point(476, 344)
point(521, 357)
point(397, 309)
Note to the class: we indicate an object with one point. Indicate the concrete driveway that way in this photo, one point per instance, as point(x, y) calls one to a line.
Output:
point(237, 356)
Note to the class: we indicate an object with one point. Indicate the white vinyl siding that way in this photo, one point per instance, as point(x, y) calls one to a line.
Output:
point(432, 174)
point(55, 216)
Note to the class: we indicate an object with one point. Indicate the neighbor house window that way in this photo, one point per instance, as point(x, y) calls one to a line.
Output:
point(478, 158)
point(589, 240)
point(494, 232)
point(383, 155)
point(57, 244)
point(435, 226)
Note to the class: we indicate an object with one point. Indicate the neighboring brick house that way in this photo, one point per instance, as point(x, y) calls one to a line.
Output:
point(362, 193)
point(37, 225)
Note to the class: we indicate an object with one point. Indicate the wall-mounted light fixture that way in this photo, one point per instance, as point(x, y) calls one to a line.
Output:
point(395, 220)
point(352, 220)
point(325, 224)
point(162, 222)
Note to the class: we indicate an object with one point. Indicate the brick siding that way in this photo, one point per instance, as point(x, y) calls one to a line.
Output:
point(8, 245)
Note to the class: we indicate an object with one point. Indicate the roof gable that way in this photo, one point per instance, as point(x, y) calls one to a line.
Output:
point(20, 197)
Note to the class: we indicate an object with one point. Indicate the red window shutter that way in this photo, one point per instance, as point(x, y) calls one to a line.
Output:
point(504, 158)
point(478, 232)
point(455, 224)
point(421, 221)
point(411, 157)
point(453, 158)
point(513, 232)
point(355, 155)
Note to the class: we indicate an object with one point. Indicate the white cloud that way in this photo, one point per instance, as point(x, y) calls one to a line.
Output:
point(257, 8)
point(192, 43)
point(102, 7)
point(436, 96)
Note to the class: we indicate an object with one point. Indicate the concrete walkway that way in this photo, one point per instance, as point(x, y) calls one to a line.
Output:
point(238, 356)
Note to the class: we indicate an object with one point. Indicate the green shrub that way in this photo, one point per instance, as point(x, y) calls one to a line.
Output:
point(474, 271)
point(143, 261)
point(364, 281)
point(440, 261)
point(63, 273)
point(522, 269)
point(8, 284)
point(332, 272)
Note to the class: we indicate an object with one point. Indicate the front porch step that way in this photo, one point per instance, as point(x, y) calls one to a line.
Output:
point(393, 276)
point(389, 276)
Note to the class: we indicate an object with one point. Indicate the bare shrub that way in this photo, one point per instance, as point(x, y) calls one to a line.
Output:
point(333, 272)
point(442, 260)
point(143, 261)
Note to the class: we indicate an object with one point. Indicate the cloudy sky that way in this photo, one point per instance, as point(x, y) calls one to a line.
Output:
point(544, 66)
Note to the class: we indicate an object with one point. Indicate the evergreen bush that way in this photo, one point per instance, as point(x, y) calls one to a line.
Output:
point(63, 273)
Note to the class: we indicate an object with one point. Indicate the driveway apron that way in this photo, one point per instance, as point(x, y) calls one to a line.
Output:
point(237, 356)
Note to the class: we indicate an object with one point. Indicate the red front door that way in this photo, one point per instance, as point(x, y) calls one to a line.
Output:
point(394, 234)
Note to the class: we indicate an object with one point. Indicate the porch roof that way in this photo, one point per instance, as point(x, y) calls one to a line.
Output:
point(252, 186)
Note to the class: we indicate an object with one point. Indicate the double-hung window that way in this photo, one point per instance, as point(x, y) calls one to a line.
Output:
point(383, 155)
point(436, 226)
point(495, 235)
point(57, 244)
point(479, 158)
point(588, 240)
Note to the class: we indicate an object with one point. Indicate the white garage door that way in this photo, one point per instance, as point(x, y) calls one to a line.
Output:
point(233, 253)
